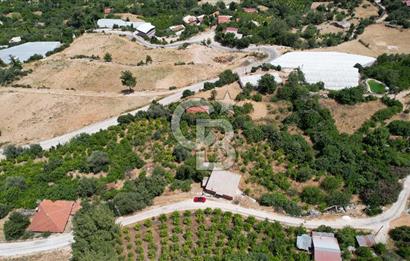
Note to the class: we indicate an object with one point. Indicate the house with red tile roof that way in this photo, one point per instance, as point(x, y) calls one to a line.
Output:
point(223, 19)
point(198, 109)
point(52, 216)
point(250, 10)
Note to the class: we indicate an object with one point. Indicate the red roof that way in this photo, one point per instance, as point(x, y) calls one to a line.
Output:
point(250, 10)
point(52, 216)
point(224, 19)
point(231, 30)
point(321, 255)
point(198, 109)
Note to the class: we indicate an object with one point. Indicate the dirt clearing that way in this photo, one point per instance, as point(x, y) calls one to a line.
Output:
point(349, 118)
point(169, 67)
point(376, 40)
point(40, 116)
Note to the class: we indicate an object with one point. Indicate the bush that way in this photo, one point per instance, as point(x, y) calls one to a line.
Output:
point(399, 128)
point(187, 93)
point(98, 161)
point(15, 227)
point(4, 210)
point(267, 84)
point(280, 202)
point(312, 195)
point(349, 95)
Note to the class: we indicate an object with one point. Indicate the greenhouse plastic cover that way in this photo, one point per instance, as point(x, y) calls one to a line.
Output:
point(335, 69)
point(24, 51)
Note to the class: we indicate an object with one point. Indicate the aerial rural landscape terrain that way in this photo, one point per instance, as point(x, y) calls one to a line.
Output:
point(205, 130)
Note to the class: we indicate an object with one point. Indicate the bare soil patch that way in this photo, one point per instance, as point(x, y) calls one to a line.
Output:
point(376, 40)
point(39, 116)
point(60, 255)
point(366, 10)
point(61, 72)
point(349, 118)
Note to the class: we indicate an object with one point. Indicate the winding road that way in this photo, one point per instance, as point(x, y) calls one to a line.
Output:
point(378, 224)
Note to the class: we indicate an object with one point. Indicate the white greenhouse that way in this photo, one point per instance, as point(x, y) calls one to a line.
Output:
point(335, 69)
point(24, 51)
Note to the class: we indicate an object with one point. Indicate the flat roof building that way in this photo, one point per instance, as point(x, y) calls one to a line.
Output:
point(223, 184)
point(325, 247)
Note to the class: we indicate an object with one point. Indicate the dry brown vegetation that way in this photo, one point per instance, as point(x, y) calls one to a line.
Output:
point(38, 116)
point(67, 94)
point(61, 72)
point(379, 39)
point(349, 118)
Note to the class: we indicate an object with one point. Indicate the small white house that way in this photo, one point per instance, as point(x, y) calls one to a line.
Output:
point(16, 39)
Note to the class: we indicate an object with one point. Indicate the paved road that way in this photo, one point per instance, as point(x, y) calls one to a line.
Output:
point(35, 246)
point(377, 223)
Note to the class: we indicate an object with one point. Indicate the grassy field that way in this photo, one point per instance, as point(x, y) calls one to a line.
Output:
point(205, 235)
point(376, 87)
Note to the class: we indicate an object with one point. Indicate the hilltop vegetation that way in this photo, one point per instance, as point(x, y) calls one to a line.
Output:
point(367, 163)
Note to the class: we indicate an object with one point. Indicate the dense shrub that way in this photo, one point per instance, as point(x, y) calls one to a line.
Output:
point(98, 161)
point(280, 202)
point(400, 128)
point(15, 226)
point(95, 234)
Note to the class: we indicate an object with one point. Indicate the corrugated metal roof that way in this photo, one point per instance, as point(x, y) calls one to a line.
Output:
point(325, 247)
point(366, 240)
point(304, 242)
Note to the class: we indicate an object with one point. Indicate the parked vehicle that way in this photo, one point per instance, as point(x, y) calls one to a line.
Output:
point(200, 199)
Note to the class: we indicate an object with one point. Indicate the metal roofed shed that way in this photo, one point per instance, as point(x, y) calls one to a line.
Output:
point(223, 184)
point(304, 242)
point(23, 52)
point(365, 240)
point(254, 79)
point(335, 69)
point(325, 247)
point(142, 27)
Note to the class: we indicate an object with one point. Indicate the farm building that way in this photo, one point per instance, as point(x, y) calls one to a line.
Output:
point(52, 216)
point(142, 28)
point(233, 30)
point(254, 79)
point(335, 69)
point(365, 240)
point(223, 184)
point(325, 247)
